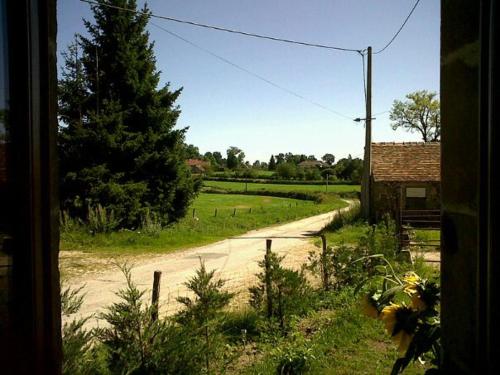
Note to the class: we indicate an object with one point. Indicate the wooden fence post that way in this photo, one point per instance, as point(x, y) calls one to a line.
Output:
point(324, 264)
point(269, 294)
point(156, 295)
point(234, 212)
point(215, 214)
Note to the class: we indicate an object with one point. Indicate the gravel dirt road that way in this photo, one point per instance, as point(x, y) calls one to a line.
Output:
point(234, 259)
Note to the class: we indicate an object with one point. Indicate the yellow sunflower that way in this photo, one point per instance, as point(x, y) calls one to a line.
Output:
point(411, 280)
point(418, 303)
point(388, 316)
point(403, 340)
point(368, 306)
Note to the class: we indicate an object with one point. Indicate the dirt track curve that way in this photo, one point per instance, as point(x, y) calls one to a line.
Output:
point(235, 260)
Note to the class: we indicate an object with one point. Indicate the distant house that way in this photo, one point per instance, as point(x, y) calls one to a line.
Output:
point(198, 166)
point(307, 164)
point(405, 177)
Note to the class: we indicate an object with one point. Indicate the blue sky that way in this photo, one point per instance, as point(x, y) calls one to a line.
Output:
point(224, 106)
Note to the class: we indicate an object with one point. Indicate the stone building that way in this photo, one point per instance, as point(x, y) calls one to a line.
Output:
point(405, 176)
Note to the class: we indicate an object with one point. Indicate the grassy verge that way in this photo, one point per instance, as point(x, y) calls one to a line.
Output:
point(241, 186)
point(215, 217)
point(339, 340)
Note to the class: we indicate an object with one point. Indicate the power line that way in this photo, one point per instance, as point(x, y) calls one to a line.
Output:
point(219, 28)
point(401, 28)
point(380, 113)
point(223, 59)
point(364, 72)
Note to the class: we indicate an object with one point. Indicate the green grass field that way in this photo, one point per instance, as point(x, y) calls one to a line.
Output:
point(241, 186)
point(214, 219)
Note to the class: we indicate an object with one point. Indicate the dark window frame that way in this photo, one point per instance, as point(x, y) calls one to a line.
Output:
point(33, 344)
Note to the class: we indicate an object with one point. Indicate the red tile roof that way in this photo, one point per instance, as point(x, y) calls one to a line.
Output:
point(198, 162)
point(408, 161)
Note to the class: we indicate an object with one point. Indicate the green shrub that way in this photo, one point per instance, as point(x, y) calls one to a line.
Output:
point(202, 315)
point(281, 292)
point(67, 223)
point(344, 217)
point(241, 325)
point(77, 342)
point(101, 220)
point(381, 238)
point(151, 224)
point(294, 357)
point(136, 343)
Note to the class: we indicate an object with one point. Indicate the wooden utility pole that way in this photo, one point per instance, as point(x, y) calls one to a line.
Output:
point(367, 165)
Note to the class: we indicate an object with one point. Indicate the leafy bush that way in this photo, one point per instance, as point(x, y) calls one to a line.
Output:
point(281, 292)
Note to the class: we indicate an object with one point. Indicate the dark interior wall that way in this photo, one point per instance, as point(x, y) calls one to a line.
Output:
point(469, 265)
point(460, 167)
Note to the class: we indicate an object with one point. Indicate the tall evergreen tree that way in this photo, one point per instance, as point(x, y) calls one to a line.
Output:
point(118, 145)
point(272, 164)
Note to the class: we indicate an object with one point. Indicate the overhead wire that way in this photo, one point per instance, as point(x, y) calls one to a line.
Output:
point(399, 30)
point(267, 37)
point(258, 76)
point(219, 28)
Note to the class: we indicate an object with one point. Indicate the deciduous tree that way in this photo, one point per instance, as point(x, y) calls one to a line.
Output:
point(419, 113)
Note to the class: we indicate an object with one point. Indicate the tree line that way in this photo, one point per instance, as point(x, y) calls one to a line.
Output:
point(281, 165)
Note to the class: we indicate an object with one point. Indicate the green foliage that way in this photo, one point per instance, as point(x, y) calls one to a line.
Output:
point(272, 163)
point(78, 356)
point(286, 170)
point(242, 325)
point(151, 224)
point(349, 169)
point(118, 144)
point(101, 220)
point(202, 314)
point(350, 265)
point(381, 238)
point(68, 223)
point(294, 357)
point(71, 300)
point(77, 342)
point(344, 217)
point(281, 293)
point(136, 343)
point(328, 159)
point(209, 298)
point(235, 157)
point(419, 113)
